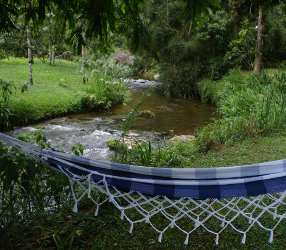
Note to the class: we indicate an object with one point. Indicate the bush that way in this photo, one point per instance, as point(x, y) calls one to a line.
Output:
point(36, 137)
point(143, 153)
point(27, 187)
point(241, 49)
point(107, 66)
point(6, 90)
point(104, 94)
point(78, 149)
point(146, 68)
point(117, 146)
point(186, 50)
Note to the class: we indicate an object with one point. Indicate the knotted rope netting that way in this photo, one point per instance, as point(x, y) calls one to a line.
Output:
point(214, 200)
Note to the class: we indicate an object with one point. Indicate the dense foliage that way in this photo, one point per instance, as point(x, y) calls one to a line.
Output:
point(222, 38)
point(27, 188)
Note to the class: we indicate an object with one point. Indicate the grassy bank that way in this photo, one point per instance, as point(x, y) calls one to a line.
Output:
point(57, 90)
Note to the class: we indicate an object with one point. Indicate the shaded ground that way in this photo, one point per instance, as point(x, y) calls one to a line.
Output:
point(81, 231)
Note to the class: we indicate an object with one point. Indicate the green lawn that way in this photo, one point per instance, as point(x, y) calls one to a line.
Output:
point(57, 90)
point(253, 150)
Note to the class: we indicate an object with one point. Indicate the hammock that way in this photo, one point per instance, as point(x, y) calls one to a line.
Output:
point(239, 198)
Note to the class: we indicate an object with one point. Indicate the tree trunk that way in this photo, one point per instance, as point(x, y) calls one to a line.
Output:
point(83, 61)
point(259, 42)
point(53, 54)
point(235, 14)
point(30, 56)
point(50, 54)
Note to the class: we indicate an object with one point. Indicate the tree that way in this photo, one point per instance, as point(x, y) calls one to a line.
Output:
point(51, 26)
point(262, 7)
point(55, 30)
point(30, 55)
point(7, 11)
point(259, 41)
point(101, 16)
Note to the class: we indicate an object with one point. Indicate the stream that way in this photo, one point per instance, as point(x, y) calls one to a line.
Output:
point(166, 117)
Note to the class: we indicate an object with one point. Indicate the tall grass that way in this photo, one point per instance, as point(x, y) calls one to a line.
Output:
point(6, 90)
point(104, 94)
point(248, 106)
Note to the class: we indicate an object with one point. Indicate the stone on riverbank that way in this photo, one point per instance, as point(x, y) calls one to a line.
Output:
point(183, 138)
point(147, 114)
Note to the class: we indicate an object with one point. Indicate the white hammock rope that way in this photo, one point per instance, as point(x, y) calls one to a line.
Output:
point(241, 214)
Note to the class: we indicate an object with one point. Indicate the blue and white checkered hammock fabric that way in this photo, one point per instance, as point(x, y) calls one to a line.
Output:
point(239, 198)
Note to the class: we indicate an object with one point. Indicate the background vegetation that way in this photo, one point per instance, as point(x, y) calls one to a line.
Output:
point(221, 36)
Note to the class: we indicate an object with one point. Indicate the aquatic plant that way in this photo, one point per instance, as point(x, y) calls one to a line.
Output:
point(78, 149)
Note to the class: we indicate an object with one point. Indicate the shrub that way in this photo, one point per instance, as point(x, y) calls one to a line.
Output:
point(108, 66)
point(78, 149)
point(241, 49)
point(117, 146)
point(27, 187)
point(103, 94)
point(6, 90)
point(145, 67)
point(187, 51)
point(36, 137)
point(145, 154)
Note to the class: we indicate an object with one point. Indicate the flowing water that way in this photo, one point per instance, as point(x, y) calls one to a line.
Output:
point(166, 118)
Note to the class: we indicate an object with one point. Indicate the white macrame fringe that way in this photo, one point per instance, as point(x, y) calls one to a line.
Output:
point(195, 213)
